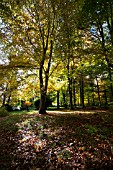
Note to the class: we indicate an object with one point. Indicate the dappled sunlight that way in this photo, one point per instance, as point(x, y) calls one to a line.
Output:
point(58, 112)
point(62, 140)
point(35, 138)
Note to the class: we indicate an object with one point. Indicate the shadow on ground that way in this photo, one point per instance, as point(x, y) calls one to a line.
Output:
point(59, 140)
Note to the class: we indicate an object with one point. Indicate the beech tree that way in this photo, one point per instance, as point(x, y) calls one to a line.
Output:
point(32, 27)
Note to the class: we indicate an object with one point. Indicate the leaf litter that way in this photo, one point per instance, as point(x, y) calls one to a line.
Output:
point(60, 142)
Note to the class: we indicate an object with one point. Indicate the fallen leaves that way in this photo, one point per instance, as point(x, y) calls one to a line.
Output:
point(60, 142)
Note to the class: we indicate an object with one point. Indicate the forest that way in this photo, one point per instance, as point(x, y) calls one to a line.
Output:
point(58, 49)
point(56, 59)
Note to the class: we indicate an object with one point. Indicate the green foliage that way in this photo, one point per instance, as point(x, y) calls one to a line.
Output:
point(91, 130)
point(73, 44)
point(3, 112)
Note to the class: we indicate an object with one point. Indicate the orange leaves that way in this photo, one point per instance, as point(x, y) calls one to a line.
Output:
point(27, 103)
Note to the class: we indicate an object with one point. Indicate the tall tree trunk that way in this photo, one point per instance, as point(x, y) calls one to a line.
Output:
point(74, 94)
point(4, 99)
point(42, 109)
point(70, 90)
point(70, 87)
point(57, 99)
point(64, 100)
point(4, 96)
point(44, 86)
point(70, 94)
point(98, 91)
point(111, 87)
point(88, 100)
point(82, 92)
point(9, 98)
point(105, 95)
point(93, 97)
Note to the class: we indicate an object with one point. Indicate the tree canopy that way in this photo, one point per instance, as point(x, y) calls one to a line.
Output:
point(62, 46)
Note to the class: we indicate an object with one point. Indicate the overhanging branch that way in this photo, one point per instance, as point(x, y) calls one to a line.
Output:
point(18, 66)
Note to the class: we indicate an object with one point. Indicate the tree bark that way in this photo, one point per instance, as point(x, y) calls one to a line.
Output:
point(98, 91)
point(42, 107)
point(44, 85)
point(88, 100)
point(74, 94)
point(9, 98)
point(4, 96)
point(105, 94)
point(4, 99)
point(82, 92)
point(111, 87)
point(70, 87)
point(70, 94)
point(57, 99)
point(64, 100)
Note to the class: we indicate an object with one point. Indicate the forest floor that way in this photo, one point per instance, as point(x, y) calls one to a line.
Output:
point(60, 140)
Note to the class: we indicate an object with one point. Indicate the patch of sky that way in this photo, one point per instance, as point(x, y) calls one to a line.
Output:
point(95, 32)
point(93, 29)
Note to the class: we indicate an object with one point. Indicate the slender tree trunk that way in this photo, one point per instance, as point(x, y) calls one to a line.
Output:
point(93, 98)
point(111, 87)
point(105, 94)
point(98, 91)
point(82, 92)
point(88, 101)
point(4, 96)
point(71, 94)
point(4, 99)
point(64, 100)
point(74, 94)
point(57, 99)
point(9, 98)
point(70, 88)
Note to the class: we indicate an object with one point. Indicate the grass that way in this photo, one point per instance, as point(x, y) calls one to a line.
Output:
point(61, 140)
point(3, 112)
point(8, 123)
